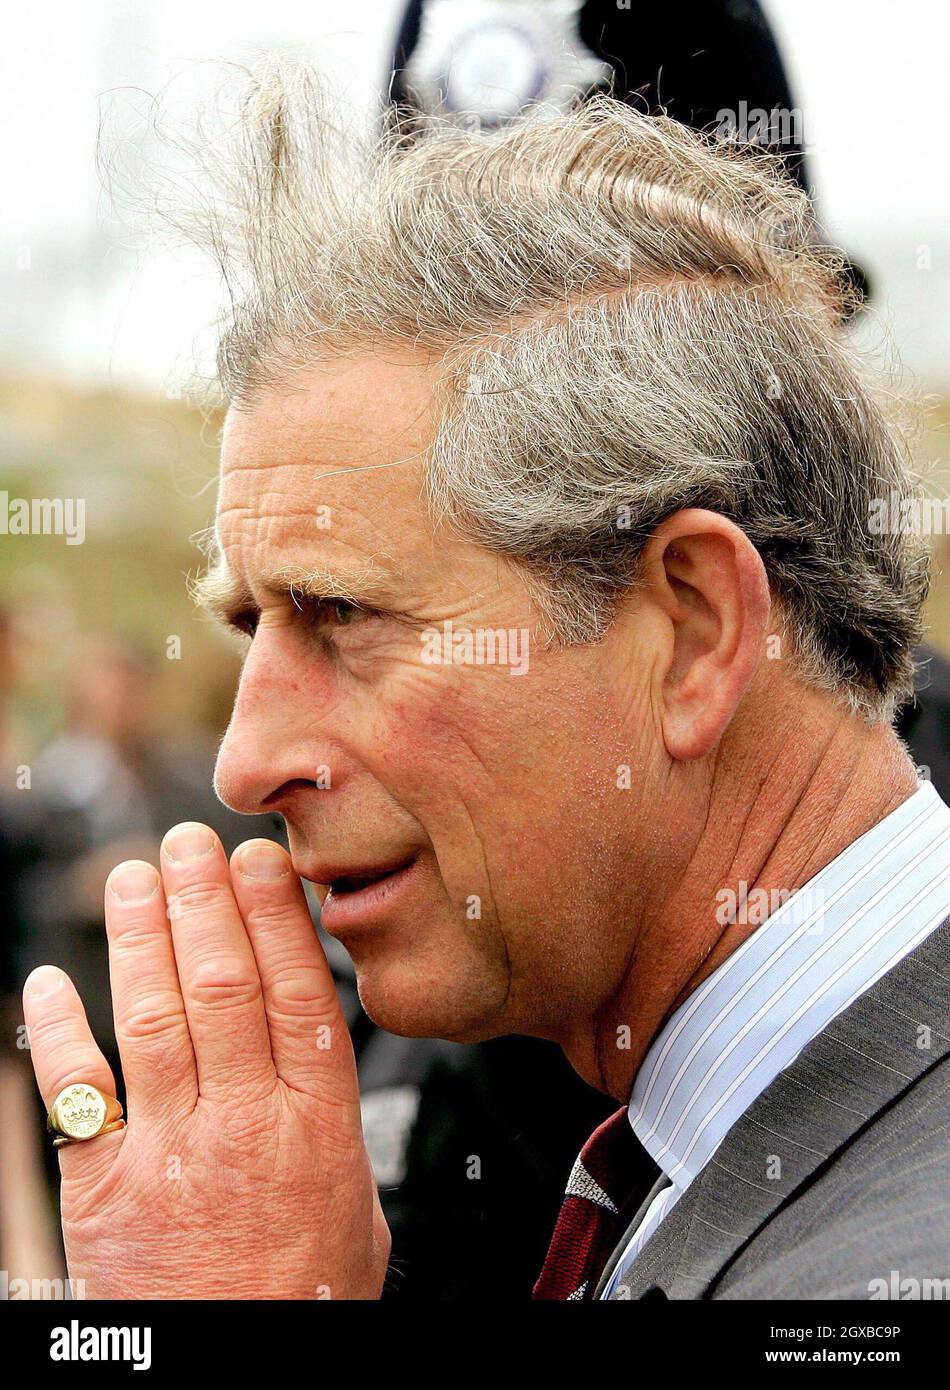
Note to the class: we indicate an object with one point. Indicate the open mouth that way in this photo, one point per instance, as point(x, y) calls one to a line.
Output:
point(358, 899)
point(355, 883)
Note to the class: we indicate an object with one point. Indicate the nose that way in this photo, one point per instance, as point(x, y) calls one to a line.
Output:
point(275, 740)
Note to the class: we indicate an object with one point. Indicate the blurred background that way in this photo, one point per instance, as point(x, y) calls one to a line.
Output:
point(114, 692)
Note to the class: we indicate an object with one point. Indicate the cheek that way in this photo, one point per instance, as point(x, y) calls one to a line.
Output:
point(459, 734)
point(494, 767)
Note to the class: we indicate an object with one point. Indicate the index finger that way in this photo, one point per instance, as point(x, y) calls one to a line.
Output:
point(309, 1039)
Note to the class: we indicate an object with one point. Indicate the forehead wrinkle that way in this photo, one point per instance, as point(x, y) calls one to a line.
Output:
point(281, 502)
point(282, 505)
point(357, 455)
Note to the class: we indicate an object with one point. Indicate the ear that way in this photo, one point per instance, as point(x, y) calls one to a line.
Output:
point(709, 584)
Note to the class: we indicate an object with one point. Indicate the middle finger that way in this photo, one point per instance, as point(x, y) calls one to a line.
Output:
point(220, 982)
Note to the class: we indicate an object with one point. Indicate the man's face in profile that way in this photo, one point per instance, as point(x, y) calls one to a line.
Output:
point(426, 730)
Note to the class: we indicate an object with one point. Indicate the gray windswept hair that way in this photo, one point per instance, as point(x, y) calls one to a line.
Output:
point(632, 320)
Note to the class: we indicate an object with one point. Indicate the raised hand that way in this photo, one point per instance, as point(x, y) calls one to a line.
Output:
point(242, 1171)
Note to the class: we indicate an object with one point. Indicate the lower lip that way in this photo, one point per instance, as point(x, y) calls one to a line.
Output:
point(366, 905)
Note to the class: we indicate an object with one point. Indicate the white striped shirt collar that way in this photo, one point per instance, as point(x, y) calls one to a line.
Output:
point(808, 962)
point(813, 956)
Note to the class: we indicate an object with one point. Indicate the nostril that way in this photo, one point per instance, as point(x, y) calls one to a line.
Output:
point(294, 784)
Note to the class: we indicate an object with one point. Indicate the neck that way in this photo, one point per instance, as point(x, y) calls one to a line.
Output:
point(770, 827)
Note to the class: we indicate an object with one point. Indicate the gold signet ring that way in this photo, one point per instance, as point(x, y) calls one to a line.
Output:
point(82, 1112)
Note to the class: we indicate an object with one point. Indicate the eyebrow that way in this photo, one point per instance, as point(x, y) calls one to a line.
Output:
point(226, 595)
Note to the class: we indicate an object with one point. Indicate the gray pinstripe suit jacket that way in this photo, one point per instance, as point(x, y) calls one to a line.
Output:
point(835, 1184)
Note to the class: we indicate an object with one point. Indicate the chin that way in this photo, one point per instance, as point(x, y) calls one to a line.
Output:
point(415, 1004)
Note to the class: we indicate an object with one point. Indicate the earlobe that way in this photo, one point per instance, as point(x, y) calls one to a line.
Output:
point(712, 586)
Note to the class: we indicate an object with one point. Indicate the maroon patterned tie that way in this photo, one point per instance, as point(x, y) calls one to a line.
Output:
point(612, 1175)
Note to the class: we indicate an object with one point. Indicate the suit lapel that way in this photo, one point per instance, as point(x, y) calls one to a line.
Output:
point(661, 1182)
point(863, 1061)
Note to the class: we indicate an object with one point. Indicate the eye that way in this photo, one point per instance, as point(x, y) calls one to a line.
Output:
point(342, 612)
point(316, 614)
point(246, 622)
point(329, 613)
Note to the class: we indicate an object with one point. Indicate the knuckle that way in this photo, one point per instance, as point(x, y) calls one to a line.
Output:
point(53, 1031)
point(272, 916)
point(294, 993)
point(191, 898)
point(81, 1064)
point(153, 1016)
point(134, 936)
point(225, 984)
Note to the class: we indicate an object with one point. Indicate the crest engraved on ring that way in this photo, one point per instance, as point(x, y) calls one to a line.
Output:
point(79, 1112)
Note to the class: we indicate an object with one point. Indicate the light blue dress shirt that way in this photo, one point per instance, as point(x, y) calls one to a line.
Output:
point(813, 956)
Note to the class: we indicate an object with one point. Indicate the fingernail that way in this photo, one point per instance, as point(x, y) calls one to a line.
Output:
point(45, 979)
point(263, 861)
point(187, 842)
point(133, 883)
